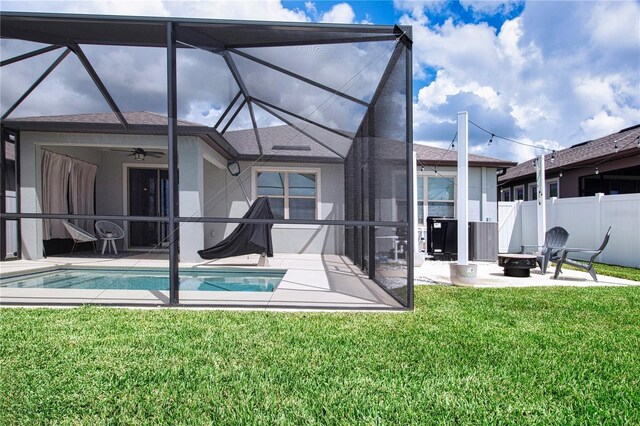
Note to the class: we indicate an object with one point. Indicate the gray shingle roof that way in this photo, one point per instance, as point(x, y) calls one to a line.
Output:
point(135, 118)
point(430, 156)
point(244, 141)
point(590, 152)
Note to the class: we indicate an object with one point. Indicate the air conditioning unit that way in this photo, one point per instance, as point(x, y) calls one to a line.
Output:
point(483, 241)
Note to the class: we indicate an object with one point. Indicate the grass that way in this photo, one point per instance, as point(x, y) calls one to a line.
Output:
point(624, 272)
point(509, 356)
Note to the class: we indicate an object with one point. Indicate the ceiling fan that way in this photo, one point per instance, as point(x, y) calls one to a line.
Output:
point(139, 153)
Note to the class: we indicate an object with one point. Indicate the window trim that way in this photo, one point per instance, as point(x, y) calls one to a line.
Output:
point(548, 187)
point(515, 192)
point(532, 189)
point(288, 169)
point(425, 192)
point(505, 191)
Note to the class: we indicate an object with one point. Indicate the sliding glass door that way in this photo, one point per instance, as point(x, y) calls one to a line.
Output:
point(148, 196)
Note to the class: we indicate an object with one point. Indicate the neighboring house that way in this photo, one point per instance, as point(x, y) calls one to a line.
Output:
point(608, 165)
point(437, 177)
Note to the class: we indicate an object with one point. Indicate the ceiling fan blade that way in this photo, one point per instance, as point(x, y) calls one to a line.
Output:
point(154, 154)
point(120, 150)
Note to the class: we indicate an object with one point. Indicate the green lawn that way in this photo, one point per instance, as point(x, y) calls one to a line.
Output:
point(531, 356)
point(624, 272)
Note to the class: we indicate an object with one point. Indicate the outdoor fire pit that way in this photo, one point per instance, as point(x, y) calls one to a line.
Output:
point(517, 265)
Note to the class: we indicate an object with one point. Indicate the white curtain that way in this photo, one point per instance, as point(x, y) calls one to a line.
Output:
point(82, 178)
point(55, 181)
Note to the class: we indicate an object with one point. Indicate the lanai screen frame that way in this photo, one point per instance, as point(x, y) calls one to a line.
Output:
point(68, 32)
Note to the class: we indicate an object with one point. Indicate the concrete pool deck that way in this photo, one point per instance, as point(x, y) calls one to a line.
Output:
point(311, 281)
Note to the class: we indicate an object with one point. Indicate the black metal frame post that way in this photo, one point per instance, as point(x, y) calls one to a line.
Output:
point(410, 166)
point(3, 203)
point(172, 136)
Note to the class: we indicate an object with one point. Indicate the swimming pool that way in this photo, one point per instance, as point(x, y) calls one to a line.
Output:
point(157, 279)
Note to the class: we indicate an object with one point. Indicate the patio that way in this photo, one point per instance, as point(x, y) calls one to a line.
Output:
point(310, 282)
point(490, 275)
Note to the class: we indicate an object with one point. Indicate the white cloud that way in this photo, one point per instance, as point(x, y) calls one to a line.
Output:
point(556, 75)
point(602, 124)
point(487, 7)
point(341, 13)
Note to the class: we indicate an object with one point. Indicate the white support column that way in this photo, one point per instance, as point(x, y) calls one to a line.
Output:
point(418, 255)
point(30, 189)
point(542, 199)
point(191, 198)
point(462, 200)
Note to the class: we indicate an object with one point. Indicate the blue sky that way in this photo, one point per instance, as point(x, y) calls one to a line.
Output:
point(546, 73)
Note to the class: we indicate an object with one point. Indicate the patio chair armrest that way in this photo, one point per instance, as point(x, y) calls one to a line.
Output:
point(579, 250)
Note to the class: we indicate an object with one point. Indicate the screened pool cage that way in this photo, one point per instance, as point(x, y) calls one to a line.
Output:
point(317, 117)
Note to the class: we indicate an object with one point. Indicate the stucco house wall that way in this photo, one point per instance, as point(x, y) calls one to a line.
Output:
point(203, 190)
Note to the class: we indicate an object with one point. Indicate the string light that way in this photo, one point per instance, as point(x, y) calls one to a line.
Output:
point(490, 139)
point(616, 146)
point(553, 156)
point(560, 173)
point(507, 139)
point(597, 171)
point(638, 139)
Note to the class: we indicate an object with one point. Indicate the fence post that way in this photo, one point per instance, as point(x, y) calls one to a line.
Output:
point(598, 225)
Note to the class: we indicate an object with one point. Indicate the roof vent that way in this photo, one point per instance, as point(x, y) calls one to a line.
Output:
point(291, 148)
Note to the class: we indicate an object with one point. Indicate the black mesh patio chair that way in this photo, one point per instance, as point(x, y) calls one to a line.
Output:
point(554, 241)
point(587, 266)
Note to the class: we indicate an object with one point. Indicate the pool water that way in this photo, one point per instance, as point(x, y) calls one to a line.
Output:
point(263, 281)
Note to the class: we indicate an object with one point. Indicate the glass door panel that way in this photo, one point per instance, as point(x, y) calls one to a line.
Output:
point(143, 201)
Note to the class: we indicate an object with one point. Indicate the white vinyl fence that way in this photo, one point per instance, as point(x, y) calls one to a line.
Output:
point(587, 220)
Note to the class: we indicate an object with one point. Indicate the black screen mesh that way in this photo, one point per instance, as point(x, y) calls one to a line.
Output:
point(376, 184)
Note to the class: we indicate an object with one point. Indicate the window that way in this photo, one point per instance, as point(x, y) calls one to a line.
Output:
point(439, 194)
point(505, 194)
point(292, 194)
point(553, 188)
point(533, 191)
point(518, 192)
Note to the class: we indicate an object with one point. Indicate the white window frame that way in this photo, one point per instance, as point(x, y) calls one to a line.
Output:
point(532, 189)
point(515, 192)
point(275, 169)
point(505, 191)
point(551, 181)
point(425, 194)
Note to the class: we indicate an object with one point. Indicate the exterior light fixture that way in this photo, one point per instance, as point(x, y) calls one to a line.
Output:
point(234, 167)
